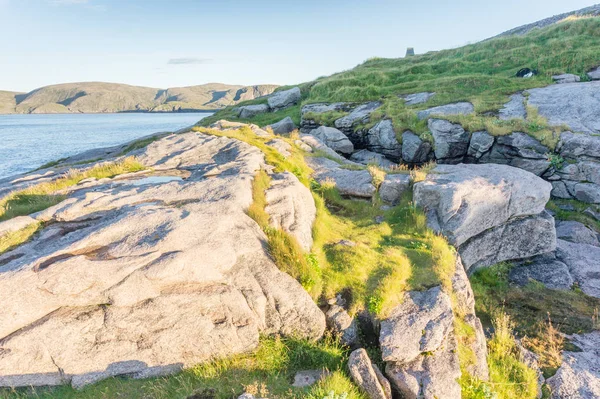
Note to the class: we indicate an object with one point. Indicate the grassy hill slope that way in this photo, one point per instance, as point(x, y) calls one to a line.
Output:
point(95, 97)
point(482, 73)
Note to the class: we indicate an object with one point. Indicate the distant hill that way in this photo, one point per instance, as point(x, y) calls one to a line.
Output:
point(591, 11)
point(98, 97)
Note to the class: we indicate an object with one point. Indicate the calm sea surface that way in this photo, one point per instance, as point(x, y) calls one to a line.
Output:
point(29, 141)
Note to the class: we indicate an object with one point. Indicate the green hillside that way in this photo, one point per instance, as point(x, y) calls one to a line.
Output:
point(482, 73)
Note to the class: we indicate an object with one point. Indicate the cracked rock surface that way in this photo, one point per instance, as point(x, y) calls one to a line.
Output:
point(145, 279)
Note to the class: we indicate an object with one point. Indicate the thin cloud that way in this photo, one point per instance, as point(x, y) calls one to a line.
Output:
point(67, 2)
point(188, 61)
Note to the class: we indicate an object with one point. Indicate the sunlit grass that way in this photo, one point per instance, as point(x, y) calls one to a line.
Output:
point(44, 195)
point(14, 239)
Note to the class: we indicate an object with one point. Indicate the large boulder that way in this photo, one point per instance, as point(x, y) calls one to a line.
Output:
point(489, 212)
point(250, 111)
point(462, 108)
point(349, 182)
point(284, 126)
point(144, 279)
point(519, 238)
point(382, 139)
point(334, 139)
point(367, 376)
point(415, 151)
point(515, 108)
point(418, 344)
point(583, 261)
point(466, 200)
point(575, 105)
point(451, 141)
point(291, 207)
point(285, 98)
point(579, 375)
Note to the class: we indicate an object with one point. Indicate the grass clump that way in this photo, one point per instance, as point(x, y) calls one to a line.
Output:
point(559, 207)
point(12, 240)
point(45, 195)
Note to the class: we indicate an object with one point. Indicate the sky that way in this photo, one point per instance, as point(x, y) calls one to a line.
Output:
point(173, 43)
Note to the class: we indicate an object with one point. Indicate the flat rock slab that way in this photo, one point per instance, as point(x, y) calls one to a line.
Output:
point(583, 262)
point(418, 98)
point(350, 182)
point(579, 375)
point(514, 109)
point(15, 224)
point(553, 273)
point(576, 232)
point(462, 108)
point(146, 279)
point(367, 157)
point(576, 105)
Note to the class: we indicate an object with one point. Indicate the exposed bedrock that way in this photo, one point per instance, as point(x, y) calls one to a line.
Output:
point(143, 279)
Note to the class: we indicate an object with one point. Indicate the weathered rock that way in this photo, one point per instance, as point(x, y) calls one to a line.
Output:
point(334, 139)
point(451, 141)
point(250, 111)
point(579, 375)
point(340, 322)
point(480, 144)
point(418, 98)
point(463, 108)
point(566, 78)
point(393, 187)
point(578, 146)
point(284, 126)
point(306, 378)
point(521, 151)
point(350, 182)
point(291, 207)
point(414, 150)
point(429, 376)
point(420, 324)
point(281, 146)
point(367, 157)
point(132, 269)
point(575, 105)
point(15, 224)
point(359, 115)
point(517, 239)
point(514, 109)
point(592, 213)
point(382, 139)
point(368, 376)
point(303, 146)
point(465, 305)
point(594, 74)
point(307, 124)
point(559, 190)
point(584, 192)
point(466, 200)
point(553, 273)
point(583, 262)
point(283, 99)
point(317, 145)
point(576, 232)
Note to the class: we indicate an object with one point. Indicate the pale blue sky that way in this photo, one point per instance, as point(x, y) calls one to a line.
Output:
point(168, 43)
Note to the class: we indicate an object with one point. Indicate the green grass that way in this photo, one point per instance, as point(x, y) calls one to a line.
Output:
point(142, 143)
point(482, 73)
point(14, 239)
point(268, 371)
point(577, 214)
point(44, 195)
